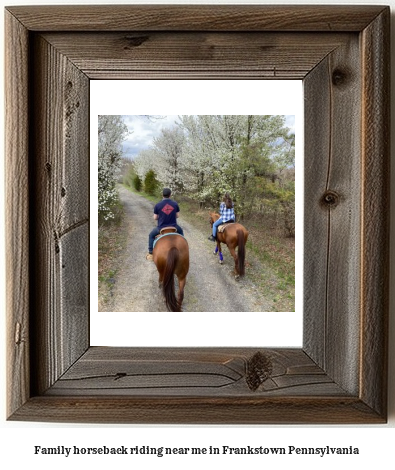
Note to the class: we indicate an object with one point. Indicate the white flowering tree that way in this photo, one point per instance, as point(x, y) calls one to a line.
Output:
point(226, 152)
point(168, 149)
point(209, 149)
point(145, 161)
point(112, 131)
point(208, 155)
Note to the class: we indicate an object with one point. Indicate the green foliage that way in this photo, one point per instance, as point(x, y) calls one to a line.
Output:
point(150, 182)
point(129, 175)
point(137, 183)
point(132, 179)
point(278, 205)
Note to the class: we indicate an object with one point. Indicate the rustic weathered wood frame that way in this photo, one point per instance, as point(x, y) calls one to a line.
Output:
point(340, 374)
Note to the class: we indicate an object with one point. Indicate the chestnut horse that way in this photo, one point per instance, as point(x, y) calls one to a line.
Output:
point(171, 257)
point(234, 235)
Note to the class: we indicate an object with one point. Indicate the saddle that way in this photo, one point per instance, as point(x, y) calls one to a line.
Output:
point(170, 232)
point(221, 228)
point(164, 230)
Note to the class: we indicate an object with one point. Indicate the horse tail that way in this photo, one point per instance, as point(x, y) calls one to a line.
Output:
point(168, 281)
point(241, 251)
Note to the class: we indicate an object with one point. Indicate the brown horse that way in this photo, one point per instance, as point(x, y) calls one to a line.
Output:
point(171, 257)
point(234, 235)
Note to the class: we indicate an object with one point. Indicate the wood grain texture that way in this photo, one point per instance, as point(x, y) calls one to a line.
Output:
point(17, 213)
point(60, 202)
point(376, 197)
point(198, 410)
point(339, 376)
point(196, 55)
point(124, 385)
point(196, 18)
point(188, 372)
point(332, 208)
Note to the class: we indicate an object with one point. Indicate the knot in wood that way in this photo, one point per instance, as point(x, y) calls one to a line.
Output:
point(330, 199)
point(135, 41)
point(259, 369)
point(339, 77)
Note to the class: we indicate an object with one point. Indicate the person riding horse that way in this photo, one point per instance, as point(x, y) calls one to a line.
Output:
point(166, 213)
point(234, 235)
point(227, 214)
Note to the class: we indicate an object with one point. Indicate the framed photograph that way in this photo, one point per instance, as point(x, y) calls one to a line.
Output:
point(182, 144)
point(339, 375)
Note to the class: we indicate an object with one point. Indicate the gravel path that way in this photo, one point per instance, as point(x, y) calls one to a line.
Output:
point(210, 286)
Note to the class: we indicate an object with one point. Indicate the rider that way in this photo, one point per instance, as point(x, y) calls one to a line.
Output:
point(227, 214)
point(166, 213)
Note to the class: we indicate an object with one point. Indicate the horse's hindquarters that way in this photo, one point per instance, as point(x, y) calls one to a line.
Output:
point(171, 257)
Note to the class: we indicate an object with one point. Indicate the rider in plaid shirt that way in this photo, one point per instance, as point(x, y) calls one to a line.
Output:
point(227, 214)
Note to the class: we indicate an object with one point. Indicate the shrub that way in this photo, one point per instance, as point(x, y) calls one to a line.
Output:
point(150, 182)
point(137, 183)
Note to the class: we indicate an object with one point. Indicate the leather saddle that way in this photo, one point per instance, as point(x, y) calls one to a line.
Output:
point(222, 227)
point(164, 230)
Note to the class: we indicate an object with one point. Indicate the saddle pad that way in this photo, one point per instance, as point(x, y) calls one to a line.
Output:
point(166, 235)
point(222, 227)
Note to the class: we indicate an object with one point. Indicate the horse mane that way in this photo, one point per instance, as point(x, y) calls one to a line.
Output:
point(214, 216)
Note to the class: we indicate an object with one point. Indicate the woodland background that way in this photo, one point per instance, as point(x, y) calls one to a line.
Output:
point(200, 158)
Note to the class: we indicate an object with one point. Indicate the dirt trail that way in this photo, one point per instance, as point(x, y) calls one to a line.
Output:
point(210, 286)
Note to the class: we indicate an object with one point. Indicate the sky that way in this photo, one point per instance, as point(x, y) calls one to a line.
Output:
point(143, 130)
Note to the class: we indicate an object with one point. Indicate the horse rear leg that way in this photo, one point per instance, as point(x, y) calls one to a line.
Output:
point(181, 287)
point(235, 257)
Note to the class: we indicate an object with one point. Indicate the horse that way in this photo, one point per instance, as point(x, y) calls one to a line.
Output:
point(234, 235)
point(171, 257)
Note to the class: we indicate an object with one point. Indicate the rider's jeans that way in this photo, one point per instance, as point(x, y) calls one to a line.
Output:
point(215, 225)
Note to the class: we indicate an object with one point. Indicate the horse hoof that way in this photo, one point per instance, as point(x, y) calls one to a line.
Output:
point(237, 277)
point(214, 253)
point(221, 262)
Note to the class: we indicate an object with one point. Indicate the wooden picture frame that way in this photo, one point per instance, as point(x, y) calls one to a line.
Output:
point(340, 374)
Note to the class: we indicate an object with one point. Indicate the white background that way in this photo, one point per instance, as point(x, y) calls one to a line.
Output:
point(17, 440)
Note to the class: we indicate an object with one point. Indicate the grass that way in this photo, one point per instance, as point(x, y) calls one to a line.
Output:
point(275, 265)
point(111, 242)
point(154, 198)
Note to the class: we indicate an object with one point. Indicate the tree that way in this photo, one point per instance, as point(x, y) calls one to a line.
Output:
point(111, 133)
point(211, 151)
point(226, 153)
point(150, 182)
point(145, 161)
point(168, 150)
point(208, 155)
point(137, 183)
